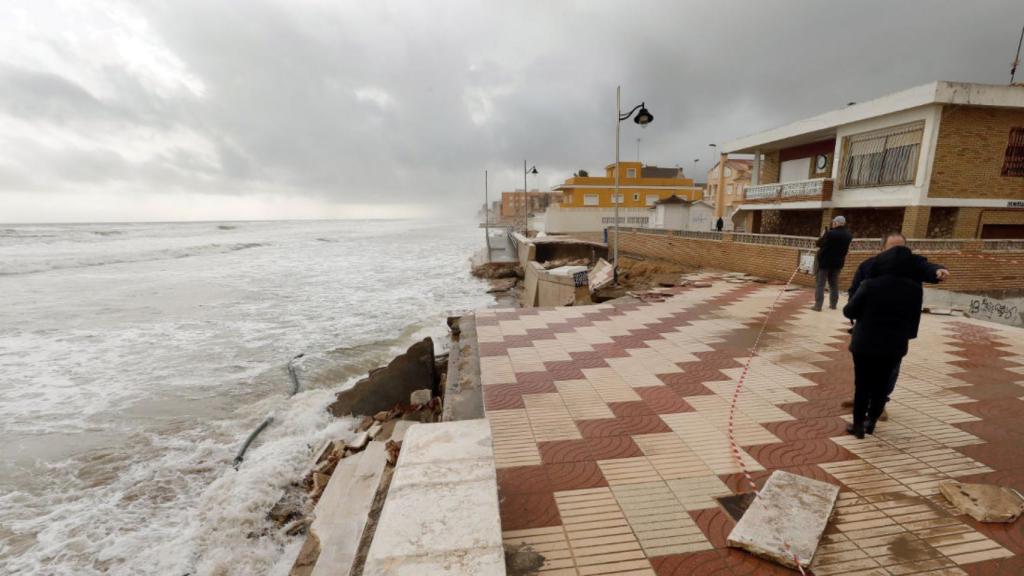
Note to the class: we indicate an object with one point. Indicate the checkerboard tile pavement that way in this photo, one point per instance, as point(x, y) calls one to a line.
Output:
point(609, 427)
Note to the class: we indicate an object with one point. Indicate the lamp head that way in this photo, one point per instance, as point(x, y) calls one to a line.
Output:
point(533, 170)
point(644, 116)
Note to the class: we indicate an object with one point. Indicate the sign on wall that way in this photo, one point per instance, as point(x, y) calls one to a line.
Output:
point(806, 263)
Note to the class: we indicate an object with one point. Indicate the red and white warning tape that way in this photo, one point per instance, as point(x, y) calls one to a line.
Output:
point(733, 445)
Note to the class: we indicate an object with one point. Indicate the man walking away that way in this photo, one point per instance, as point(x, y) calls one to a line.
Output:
point(719, 224)
point(921, 270)
point(832, 248)
point(887, 308)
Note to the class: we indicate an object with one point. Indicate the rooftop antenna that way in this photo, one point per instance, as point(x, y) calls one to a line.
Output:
point(1016, 60)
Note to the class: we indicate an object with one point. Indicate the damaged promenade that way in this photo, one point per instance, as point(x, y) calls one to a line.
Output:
point(609, 433)
point(594, 440)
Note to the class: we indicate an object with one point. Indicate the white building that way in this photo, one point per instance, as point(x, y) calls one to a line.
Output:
point(942, 160)
point(675, 213)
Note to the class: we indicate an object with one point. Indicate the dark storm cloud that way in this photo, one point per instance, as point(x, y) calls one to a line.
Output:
point(390, 102)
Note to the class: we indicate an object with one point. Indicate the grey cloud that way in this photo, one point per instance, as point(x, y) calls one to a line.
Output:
point(481, 86)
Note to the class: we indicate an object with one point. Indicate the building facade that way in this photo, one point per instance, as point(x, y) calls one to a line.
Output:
point(535, 201)
point(588, 202)
point(942, 160)
point(734, 182)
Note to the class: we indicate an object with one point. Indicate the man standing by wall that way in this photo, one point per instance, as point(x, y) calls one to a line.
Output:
point(832, 248)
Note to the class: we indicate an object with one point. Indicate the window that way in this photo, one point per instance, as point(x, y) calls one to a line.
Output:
point(728, 189)
point(636, 197)
point(630, 172)
point(882, 158)
point(616, 198)
point(1013, 160)
point(650, 199)
point(590, 200)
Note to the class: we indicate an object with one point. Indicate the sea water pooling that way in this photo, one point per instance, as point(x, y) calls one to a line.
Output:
point(135, 358)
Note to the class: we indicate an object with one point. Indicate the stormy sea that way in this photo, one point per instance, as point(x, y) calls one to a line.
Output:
point(136, 358)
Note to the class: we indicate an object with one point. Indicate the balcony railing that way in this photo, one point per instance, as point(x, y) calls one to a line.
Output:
point(817, 189)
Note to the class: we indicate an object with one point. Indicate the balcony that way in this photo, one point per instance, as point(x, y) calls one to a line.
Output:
point(818, 189)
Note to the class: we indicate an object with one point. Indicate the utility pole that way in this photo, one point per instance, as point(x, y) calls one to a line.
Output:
point(487, 218)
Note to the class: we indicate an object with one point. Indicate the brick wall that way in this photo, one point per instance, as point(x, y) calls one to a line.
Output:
point(770, 167)
point(971, 269)
point(970, 151)
point(942, 222)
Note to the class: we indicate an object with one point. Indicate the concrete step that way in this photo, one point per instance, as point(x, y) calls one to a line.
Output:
point(441, 513)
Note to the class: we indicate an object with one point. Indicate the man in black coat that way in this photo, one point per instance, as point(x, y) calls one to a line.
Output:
point(832, 248)
point(719, 224)
point(887, 308)
point(921, 270)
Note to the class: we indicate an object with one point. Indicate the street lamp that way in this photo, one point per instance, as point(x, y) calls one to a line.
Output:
point(526, 197)
point(643, 118)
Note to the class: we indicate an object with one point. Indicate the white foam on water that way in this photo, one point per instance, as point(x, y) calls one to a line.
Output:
point(128, 388)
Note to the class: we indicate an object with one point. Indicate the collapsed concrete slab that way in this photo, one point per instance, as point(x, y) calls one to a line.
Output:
point(392, 384)
point(441, 513)
point(983, 502)
point(786, 520)
point(340, 516)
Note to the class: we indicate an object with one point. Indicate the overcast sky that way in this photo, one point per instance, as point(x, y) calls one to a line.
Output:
point(223, 109)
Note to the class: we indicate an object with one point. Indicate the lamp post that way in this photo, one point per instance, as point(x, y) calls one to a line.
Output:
point(643, 118)
point(526, 197)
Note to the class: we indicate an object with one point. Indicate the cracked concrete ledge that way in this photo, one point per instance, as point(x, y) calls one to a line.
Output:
point(441, 513)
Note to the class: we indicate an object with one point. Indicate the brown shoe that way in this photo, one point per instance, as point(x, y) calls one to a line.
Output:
point(847, 404)
point(884, 417)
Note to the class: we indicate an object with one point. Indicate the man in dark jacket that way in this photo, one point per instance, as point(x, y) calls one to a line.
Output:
point(887, 308)
point(921, 270)
point(832, 248)
point(719, 224)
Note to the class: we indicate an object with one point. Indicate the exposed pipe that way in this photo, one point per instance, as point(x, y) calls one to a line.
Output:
point(248, 441)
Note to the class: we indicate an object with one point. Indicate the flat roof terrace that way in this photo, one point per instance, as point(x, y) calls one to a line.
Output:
point(610, 438)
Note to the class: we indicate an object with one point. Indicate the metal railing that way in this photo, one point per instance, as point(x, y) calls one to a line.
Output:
point(808, 189)
point(776, 240)
point(1001, 245)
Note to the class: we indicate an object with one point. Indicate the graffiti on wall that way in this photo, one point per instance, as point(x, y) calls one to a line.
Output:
point(995, 310)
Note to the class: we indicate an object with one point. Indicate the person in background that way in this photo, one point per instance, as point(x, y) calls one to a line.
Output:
point(887, 308)
point(921, 270)
point(832, 248)
point(719, 224)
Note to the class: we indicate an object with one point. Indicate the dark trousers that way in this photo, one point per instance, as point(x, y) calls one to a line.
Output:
point(893, 377)
point(873, 376)
point(832, 276)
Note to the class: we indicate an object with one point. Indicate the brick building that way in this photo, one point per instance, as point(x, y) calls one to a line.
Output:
point(536, 201)
point(941, 160)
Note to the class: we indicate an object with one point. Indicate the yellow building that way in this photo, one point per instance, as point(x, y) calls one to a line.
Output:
point(640, 187)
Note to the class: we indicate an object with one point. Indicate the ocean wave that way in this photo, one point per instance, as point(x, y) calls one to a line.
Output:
point(36, 267)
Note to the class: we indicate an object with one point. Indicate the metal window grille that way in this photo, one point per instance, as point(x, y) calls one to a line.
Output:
point(1013, 160)
point(882, 158)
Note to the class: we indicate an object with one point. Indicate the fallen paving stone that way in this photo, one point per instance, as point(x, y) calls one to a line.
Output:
point(701, 284)
point(983, 502)
point(785, 522)
point(375, 430)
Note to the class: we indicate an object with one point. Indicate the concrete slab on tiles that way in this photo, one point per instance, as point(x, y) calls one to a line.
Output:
point(786, 520)
point(441, 513)
point(340, 515)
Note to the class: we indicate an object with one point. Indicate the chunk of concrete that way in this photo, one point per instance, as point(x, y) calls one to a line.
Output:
point(385, 387)
point(983, 502)
point(441, 513)
point(420, 397)
point(785, 522)
point(359, 441)
point(340, 516)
